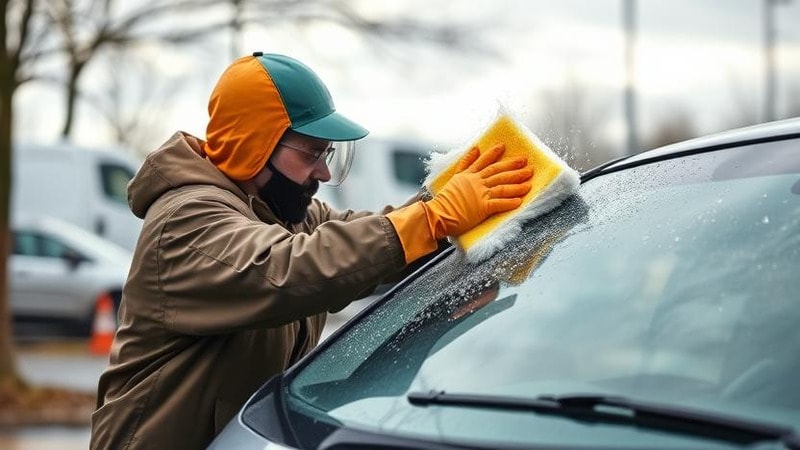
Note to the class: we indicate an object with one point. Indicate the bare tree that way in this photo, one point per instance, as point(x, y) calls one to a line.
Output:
point(675, 127)
point(571, 122)
point(135, 125)
point(451, 34)
point(745, 110)
point(90, 26)
point(18, 33)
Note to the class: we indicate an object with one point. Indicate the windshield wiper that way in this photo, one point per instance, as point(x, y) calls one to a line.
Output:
point(600, 408)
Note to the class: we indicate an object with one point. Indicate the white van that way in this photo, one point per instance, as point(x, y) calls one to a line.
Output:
point(385, 171)
point(87, 187)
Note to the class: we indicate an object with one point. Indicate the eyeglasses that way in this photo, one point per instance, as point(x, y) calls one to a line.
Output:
point(327, 154)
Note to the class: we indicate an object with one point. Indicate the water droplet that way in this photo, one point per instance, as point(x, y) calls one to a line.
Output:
point(719, 200)
point(677, 238)
point(645, 237)
point(765, 219)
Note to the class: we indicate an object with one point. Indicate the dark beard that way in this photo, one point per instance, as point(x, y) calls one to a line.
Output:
point(287, 199)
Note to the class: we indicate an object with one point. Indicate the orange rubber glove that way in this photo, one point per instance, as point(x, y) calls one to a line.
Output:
point(480, 187)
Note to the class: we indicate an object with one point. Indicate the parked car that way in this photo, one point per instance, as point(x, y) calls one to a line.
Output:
point(658, 308)
point(57, 273)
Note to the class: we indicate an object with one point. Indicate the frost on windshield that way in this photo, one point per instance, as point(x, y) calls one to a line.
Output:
point(444, 296)
point(457, 288)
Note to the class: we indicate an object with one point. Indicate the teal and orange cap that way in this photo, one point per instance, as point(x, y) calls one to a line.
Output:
point(256, 100)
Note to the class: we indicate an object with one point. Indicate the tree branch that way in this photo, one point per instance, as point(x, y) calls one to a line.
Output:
point(25, 21)
point(162, 8)
point(450, 36)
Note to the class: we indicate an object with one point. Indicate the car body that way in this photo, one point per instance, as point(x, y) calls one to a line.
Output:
point(658, 308)
point(57, 273)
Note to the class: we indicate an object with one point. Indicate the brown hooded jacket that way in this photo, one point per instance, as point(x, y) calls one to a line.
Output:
point(221, 296)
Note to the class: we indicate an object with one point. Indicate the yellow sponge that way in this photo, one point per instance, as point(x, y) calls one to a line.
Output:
point(553, 181)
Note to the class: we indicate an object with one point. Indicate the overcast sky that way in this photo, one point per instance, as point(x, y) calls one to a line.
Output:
point(702, 57)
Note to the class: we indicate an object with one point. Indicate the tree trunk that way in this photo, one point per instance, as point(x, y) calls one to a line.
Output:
point(72, 95)
point(9, 378)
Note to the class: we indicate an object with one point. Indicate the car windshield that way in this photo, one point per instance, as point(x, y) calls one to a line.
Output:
point(673, 282)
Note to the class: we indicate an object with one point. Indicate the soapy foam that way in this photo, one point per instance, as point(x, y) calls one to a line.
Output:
point(552, 182)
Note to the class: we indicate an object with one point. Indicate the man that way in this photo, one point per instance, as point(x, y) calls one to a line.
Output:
point(237, 264)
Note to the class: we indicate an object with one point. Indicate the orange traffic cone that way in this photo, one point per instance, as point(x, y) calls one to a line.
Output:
point(104, 326)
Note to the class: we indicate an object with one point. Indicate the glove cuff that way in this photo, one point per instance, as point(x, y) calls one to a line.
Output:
point(412, 226)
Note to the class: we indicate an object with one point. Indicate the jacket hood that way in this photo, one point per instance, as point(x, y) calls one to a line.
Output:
point(258, 98)
point(246, 119)
point(179, 162)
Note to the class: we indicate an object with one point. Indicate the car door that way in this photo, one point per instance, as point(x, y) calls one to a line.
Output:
point(44, 283)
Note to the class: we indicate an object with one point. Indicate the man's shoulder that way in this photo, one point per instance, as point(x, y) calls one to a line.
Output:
point(196, 199)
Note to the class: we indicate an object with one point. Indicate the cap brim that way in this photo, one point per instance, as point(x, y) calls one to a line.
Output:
point(333, 127)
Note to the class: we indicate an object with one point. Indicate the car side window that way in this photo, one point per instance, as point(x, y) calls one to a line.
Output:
point(51, 248)
point(24, 243)
point(115, 178)
point(35, 244)
point(409, 167)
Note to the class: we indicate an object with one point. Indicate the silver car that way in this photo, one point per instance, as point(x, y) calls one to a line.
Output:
point(57, 273)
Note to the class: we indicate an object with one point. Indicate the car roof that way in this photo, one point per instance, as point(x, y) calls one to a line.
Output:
point(771, 131)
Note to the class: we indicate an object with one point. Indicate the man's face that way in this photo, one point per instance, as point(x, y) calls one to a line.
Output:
point(293, 174)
